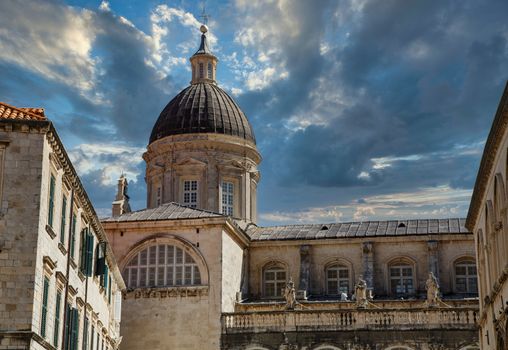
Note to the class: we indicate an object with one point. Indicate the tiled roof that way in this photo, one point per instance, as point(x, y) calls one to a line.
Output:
point(358, 229)
point(168, 211)
point(11, 112)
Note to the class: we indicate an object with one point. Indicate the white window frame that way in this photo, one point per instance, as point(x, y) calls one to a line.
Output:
point(467, 263)
point(339, 289)
point(190, 193)
point(400, 266)
point(278, 282)
point(228, 197)
point(162, 265)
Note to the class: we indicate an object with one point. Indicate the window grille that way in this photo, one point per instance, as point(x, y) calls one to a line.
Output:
point(190, 193)
point(466, 277)
point(227, 198)
point(274, 279)
point(401, 279)
point(160, 266)
point(337, 279)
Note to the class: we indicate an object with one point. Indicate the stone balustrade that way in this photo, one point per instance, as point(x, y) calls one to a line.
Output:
point(345, 320)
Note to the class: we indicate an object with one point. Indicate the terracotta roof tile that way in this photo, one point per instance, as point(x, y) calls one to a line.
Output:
point(20, 113)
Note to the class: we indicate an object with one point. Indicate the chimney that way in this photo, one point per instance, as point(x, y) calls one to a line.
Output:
point(121, 203)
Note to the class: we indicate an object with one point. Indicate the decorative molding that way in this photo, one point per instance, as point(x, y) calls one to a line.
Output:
point(73, 291)
point(166, 292)
point(62, 248)
point(50, 232)
point(49, 264)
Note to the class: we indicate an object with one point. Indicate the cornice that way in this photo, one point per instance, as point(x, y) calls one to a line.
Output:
point(494, 141)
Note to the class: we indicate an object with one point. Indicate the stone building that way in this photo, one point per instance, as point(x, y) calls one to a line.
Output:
point(487, 218)
point(201, 274)
point(60, 286)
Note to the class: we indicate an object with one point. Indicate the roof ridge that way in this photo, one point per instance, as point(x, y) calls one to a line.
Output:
point(35, 113)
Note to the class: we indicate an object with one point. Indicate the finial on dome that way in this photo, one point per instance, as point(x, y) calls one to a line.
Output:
point(203, 28)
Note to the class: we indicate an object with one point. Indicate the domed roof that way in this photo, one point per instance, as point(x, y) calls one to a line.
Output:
point(202, 108)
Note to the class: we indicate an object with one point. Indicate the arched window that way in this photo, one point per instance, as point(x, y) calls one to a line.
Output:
point(161, 265)
point(401, 277)
point(274, 280)
point(337, 279)
point(466, 276)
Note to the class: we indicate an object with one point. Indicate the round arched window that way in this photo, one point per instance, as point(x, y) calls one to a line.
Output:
point(161, 266)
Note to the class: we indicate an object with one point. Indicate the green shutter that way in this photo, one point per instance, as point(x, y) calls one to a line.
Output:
point(73, 235)
point(100, 260)
point(51, 200)
point(89, 254)
point(56, 333)
point(109, 290)
point(106, 270)
point(75, 330)
point(82, 262)
point(64, 219)
point(85, 334)
point(44, 313)
point(68, 315)
point(92, 335)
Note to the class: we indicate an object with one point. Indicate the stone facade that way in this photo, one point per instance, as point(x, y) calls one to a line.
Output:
point(487, 218)
point(202, 277)
point(44, 211)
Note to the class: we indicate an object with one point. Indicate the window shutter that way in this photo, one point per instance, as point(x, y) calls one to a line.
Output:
point(68, 316)
point(75, 325)
point(56, 333)
point(105, 279)
point(51, 200)
point(73, 235)
point(89, 254)
point(85, 334)
point(109, 290)
point(63, 220)
point(44, 306)
point(82, 263)
point(118, 306)
point(101, 259)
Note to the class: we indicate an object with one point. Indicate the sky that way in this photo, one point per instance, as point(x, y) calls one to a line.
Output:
point(362, 109)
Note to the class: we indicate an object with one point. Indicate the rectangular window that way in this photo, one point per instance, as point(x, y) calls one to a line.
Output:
point(51, 206)
point(56, 333)
point(159, 195)
point(87, 247)
point(92, 335)
point(227, 198)
point(201, 70)
point(190, 193)
point(210, 71)
point(401, 280)
point(44, 313)
point(73, 235)
point(109, 290)
point(85, 334)
point(63, 220)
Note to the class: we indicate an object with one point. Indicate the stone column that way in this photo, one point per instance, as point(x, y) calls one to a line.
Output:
point(368, 264)
point(433, 249)
point(304, 283)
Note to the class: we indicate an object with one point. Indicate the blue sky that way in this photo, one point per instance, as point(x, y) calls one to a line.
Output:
point(362, 109)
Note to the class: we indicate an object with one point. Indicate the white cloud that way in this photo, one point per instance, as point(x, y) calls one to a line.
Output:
point(51, 40)
point(111, 160)
point(310, 215)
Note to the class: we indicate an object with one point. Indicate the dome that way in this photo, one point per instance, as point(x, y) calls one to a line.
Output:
point(202, 108)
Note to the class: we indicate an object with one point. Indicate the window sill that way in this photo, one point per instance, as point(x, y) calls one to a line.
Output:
point(50, 232)
point(62, 248)
point(81, 276)
point(73, 263)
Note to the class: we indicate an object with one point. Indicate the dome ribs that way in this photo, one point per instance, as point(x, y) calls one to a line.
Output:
point(202, 108)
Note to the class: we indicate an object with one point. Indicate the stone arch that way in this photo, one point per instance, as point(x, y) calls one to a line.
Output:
point(172, 240)
point(398, 347)
point(257, 347)
point(499, 194)
point(326, 347)
point(473, 346)
point(399, 261)
point(491, 237)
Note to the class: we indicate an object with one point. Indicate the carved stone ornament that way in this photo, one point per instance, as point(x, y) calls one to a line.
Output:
point(166, 292)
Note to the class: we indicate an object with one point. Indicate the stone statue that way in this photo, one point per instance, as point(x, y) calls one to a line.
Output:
point(343, 296)
point(432, 290)
point(290, 294)
point(361, 293)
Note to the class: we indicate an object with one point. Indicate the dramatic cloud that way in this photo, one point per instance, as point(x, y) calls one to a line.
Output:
point(363, 109)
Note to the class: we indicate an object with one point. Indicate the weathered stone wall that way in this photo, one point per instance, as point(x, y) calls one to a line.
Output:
point(350, 253)
point(232, 256)
point(177, 317)
point(368, 340)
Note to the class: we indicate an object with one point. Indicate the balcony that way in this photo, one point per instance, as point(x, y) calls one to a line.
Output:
point(454, 318)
